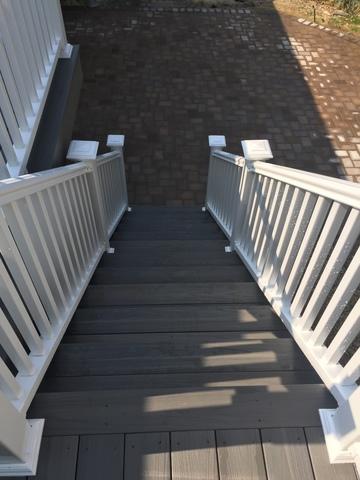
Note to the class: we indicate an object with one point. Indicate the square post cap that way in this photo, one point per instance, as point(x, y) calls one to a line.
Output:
point(81, 150)
point(217, 141)
point(255, 150)
point(115, 141)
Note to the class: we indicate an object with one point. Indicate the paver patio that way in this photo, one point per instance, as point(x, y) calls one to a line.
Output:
point(167, 77)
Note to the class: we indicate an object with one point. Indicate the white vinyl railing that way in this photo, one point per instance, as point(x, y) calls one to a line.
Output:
point(298, 233)
point(32, 38)
point(54, 228)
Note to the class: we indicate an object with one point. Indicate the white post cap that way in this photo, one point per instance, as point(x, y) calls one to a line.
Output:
point(82, 150)
point(255, 150)
point(217, 141)
point(115, 141)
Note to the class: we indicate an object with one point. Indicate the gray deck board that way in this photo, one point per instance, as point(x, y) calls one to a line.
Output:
point(172, 293)
point(170, 409)
point(286, 454)
point(100, 457)
point(240, 455)
point(163, 253)
point(176, 353)
point(174, 318)
point(147, 456)
point(193, 455)
point(323, 469)
point(184, 274)
point(172, 349)
point(178, 380)
point(57, 460)
point(204, 232)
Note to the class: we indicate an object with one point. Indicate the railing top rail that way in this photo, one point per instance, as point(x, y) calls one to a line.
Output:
point(229, 157)
point(341, 191)
point(338, 190)
point(14, 188)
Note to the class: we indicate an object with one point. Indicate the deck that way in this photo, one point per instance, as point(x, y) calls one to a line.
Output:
point(175, 367)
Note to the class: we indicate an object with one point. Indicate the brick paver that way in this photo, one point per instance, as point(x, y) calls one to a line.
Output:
point(168, 77)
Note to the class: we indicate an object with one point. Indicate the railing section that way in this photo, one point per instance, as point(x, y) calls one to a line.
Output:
point(54, 228)
point(31, 40)
point(299, 235)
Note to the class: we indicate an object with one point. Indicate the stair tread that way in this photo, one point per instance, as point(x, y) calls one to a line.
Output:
point(169, 252)
point(199, 408)
point(178, 353)
point(205, 232)
point(179, 380)
point(171, 274)
point(172, 293)
point(167, 318)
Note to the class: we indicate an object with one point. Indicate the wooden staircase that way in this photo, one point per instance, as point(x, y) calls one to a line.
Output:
point(173, 335)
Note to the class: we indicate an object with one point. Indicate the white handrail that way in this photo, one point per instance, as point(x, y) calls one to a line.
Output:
point(32, 38)
point(54, 228)
point(298, 233)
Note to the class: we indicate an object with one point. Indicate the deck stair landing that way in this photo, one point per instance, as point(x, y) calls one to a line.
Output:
point(174, 366)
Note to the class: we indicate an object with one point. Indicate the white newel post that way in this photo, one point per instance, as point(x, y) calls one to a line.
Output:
point(342, 430)
point(19, 441)
point(86, 151)
point(116, 144)
point(216, 142)
point(254, 151)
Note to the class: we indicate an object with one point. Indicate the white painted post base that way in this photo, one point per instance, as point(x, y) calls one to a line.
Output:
point(335, 451)
point(31, 450)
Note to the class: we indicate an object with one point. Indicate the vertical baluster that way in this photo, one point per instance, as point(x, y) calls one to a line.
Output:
point(90, 202)
point(347, 333)
point(25, 243)
point(323, 246)
point(63, 242)
point(13, 92)
point(10, 119)
point(14, 305)
point(50, 25)
point(314, 228)
point(105, 195)
point(246, 190)
point(53, 245)
point(14, 348)
point(4, 172)
point(31, 53)
point(20, 274)
point(39, 35)
point(284, 238)
point(80, 224)
point(252, 216)
point(6, 144)
point(15, 21)
point(8, 385)
point(275, 232)
point(14, 45)
point(264, 220)
point(34, 40)
point(44, 28)
point(295, 241)
point(85, 210)
point(71, 225)
point(258, 213)
point(349, 282)
point(344, 244)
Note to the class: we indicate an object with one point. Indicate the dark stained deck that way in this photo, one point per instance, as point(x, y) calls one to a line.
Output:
point(175, 367)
